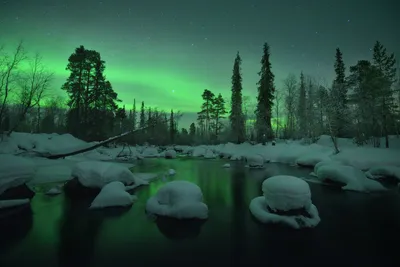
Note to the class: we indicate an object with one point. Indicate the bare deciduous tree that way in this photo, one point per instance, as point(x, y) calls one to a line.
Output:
point(8, 74)
point(290, 84)
point(32, 86)
point(277, 102)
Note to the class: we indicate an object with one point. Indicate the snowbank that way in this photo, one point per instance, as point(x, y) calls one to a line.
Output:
point(178, 199)
point(282, 195)
point(13, 203)
point(348, 177)
point(112, 195)
point(95, 174)
point(15, 171)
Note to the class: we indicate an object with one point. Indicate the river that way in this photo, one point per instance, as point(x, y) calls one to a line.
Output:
point(356, 229)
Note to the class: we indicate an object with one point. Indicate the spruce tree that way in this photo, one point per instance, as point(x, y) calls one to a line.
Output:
point(266, 90)
point(192, 130)
point(236, 116)
point(133, 115)
point(339, 98)
point(385, 63)
point(302, 107)
point(142, 122)
point(172, 127)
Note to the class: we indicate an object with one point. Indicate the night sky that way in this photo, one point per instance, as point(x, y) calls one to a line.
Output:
point(167, 52)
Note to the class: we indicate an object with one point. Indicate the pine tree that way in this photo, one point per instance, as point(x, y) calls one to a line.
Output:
point(302, 108)
point(386, 65)
point(92, 100)
point(142, 122)
point(236, 116)
point(339, 98)
point(266, 90)
point(218, 113)
point(206, 110)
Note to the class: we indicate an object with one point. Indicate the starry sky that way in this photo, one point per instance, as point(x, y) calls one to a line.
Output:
point(166, 53)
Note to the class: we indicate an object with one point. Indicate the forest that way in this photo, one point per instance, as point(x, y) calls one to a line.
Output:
point(362, 103)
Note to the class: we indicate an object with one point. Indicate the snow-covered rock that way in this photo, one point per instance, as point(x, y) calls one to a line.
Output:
point(13, 203)
point(199, 151)
point(384, 172)
point(56, 190)
point(178, 199)
point(255, 161)
point(171, 172)
point(226, 165)
point(15, 171)
point(96, 174)
point(112, 195)
point(209, 154)
point(283, 194)
point(348, 177)
point(150, 152)
point(170, 154)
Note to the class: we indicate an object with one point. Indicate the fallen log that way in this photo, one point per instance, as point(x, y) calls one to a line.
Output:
point(90, 147)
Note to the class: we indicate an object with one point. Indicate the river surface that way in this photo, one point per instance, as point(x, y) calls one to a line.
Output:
point(356, 229)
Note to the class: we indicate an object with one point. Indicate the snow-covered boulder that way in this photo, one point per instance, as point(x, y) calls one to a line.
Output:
point(150, 152)
point(171, 172)
point(286, 200)
point(178, 199)
point(235, 157)
point(209, 154)
point(347, 177)
point(199, 151)
point(56, 190)
point(14, 172)
point(255, 161)
point(170, 154)
point(112, 195)
point(384, 172)
point(226, 165)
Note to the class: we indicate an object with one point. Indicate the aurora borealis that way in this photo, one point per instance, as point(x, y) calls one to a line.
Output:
point(166, 53)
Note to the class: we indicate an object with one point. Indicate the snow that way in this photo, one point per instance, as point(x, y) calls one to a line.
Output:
point(15, 171)
point(283, 192)
point(255, 161)
point(258, 209)
point(209, 154)
point(112, 195)
point(13, 203)
point(97, 174)
point(226, 165)
point(384, 171)
point(199, 151)
point(54, 190)
point(178, 199)
point(150, 152)
point(171, 172)
point(170, 154)
point(354, 179)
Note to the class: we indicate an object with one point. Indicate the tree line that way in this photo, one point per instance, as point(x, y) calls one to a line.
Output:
point(363, 105)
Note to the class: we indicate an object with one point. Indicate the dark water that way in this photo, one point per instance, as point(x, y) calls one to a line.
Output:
point(356, 229)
